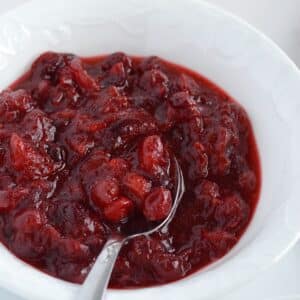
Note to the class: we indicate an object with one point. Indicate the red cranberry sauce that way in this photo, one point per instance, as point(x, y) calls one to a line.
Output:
point(86, 151)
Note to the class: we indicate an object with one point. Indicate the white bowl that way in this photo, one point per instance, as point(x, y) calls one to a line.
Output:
point(221, 47)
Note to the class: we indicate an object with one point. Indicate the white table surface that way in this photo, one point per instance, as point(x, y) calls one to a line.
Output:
point(280, 20)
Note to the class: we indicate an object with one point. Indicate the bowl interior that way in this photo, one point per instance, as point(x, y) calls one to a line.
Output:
point(227, 51)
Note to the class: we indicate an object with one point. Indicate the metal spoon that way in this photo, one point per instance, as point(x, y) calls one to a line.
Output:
point(95, 284)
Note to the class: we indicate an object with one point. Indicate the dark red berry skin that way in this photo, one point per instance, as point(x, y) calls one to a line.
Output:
point(86, 149)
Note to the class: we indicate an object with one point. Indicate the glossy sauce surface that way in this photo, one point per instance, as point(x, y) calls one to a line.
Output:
point(86, 148)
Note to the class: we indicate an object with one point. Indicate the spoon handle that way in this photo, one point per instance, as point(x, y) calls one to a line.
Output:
point(96, 282)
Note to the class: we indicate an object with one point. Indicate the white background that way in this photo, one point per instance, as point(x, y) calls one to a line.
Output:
point(280, 20)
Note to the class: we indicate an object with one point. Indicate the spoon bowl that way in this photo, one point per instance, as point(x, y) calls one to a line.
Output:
point(96, 282)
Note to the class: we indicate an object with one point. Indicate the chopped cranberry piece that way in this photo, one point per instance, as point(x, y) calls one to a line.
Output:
point(109, 61)
point(207, 193)
point(170, 266)
point(13, 104)
point(28, 160)
point(137, 184)
point(80, 143)
point(5, 202)
point(187, 83)
point(117, 75)
point(73, 250)
point(118, 210)
point(46, 66)
point(11, 197)
point(81, 76)
point(152, 154)
point(63, 117)
point(115, 104)
point(218, 242)
point(247, 180)
point(231, 212)
point(142, 249)
point(39, 127)
point(105, 191)
point(49, 237)
point(119, 166)
point(182, 100)
point(94, 162)
point(155, 83)
point(200, 161)
point(91, 126)
point(26, 241)
point(28, 221)
point(158, 204)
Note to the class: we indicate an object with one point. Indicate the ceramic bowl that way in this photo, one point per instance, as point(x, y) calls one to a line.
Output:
point(223, 48)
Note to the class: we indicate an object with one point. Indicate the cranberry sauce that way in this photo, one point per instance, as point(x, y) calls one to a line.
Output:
point(86, 148)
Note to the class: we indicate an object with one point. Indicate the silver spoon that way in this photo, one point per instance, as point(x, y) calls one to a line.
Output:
point(95, 284)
